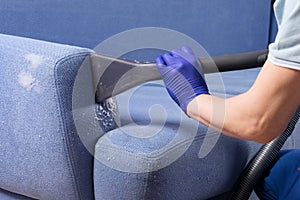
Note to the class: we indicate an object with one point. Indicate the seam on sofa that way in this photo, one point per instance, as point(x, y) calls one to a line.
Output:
point(15, 195)
point(64, 128)
point(145, 189)
point(145, 156)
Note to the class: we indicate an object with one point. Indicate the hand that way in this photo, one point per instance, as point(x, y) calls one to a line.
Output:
point(183, 76)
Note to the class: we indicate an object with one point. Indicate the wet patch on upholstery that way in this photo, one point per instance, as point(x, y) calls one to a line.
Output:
point(34, 60)
point(27, 81)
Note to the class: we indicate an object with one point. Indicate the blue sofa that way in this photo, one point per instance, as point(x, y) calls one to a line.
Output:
point(54, 141)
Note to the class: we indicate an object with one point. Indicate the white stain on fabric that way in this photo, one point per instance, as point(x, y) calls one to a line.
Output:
point(27, 81)
point(34, 60)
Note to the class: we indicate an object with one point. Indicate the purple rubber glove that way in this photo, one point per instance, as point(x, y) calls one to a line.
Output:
point(183, 76)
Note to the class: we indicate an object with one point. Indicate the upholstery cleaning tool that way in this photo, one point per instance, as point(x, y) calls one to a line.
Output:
point(115, 75)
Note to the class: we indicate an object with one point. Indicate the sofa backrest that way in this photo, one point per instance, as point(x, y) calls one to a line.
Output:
point(220, 26)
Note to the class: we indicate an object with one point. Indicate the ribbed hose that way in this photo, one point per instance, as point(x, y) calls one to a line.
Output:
point(261, 162)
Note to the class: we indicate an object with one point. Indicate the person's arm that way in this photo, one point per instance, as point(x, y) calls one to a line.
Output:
point(264, 111)
point(260, 114)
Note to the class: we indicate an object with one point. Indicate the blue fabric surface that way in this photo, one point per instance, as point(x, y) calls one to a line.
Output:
point(283, 180)
point(5, 195)
point(189, 177)
point(41, 154)
point(149, 158)
point(222, 27)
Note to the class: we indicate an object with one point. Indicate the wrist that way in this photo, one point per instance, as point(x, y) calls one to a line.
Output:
point(193, 107)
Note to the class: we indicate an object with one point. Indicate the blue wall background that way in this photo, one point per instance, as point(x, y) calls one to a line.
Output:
point(222, 27)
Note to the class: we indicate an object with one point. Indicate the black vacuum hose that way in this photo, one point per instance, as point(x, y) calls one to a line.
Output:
point(261, 162)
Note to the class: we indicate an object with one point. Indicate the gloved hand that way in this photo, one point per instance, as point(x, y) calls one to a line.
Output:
point(183, 76)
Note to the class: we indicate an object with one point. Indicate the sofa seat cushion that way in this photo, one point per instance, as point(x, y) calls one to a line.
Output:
point(160, 153)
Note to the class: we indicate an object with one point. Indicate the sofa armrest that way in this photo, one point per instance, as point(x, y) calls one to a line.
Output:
point(41, 153)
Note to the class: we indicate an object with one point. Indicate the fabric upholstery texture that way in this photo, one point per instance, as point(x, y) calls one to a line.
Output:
point(5, 195)
point(41, 154)
point(221, 27)
point(165, 163)
point(177, 159)
point(147, 157)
